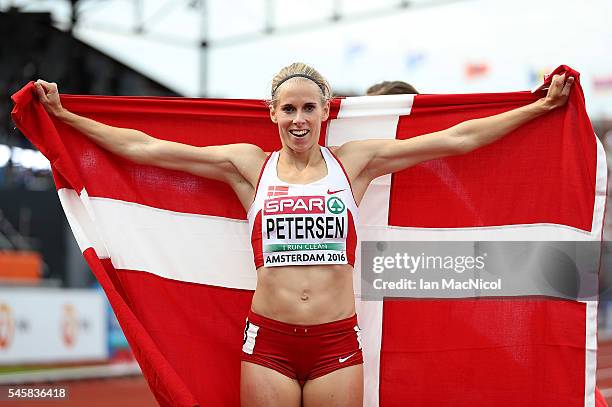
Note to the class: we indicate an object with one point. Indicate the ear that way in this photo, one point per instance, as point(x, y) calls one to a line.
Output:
point(273, 114)
point(326, 111)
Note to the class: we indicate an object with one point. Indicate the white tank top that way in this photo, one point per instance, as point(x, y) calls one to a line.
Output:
point(303, 224)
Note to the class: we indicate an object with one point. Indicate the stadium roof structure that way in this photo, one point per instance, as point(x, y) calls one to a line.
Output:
point(201, 25)
point(231, 48)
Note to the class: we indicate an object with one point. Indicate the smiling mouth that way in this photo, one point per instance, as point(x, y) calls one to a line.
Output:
point(299, 133)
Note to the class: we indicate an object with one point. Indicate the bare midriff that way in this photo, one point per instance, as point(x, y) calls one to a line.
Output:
point(305, 295)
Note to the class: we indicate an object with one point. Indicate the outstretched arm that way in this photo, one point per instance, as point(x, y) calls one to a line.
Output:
point(235, 164)
point(369, 159)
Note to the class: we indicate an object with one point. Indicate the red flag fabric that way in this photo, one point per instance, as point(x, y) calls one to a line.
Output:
point(172, 252)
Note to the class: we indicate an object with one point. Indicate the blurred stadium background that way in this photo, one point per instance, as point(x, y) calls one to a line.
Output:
point(55, 324)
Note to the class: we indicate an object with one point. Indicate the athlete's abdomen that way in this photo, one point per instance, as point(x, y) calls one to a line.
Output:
point(303, 294)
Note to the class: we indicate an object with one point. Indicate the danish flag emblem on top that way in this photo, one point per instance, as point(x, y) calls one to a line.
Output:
point(277, 190)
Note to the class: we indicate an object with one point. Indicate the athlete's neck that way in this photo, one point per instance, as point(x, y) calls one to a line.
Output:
point(301, 160)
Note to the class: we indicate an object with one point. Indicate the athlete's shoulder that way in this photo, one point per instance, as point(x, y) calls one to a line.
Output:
point(352, 155)
point(246, 148)
point(246, 153)
point(248, 159)
point(352, 147)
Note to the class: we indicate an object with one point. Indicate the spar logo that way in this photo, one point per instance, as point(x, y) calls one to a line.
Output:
point(335, 205)
point(7, 326)
point(295, 205)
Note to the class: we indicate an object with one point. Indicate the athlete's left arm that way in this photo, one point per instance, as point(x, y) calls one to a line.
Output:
point(368, 159)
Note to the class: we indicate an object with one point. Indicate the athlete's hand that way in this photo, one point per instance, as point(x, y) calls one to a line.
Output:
point(49, 97)
point(558, 92)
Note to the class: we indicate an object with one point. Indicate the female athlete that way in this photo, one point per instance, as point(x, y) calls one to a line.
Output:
point(301, 342)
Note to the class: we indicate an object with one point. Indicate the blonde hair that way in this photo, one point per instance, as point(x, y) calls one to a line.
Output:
point(303, 71)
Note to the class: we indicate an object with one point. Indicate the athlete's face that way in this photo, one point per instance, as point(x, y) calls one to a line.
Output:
point(299, 113)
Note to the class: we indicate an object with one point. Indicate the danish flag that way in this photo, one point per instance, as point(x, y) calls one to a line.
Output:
point(277, 190)
point(172, 250)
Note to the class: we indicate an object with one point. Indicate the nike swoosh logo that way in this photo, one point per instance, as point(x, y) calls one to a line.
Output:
point(330, 192)
point(342, 360)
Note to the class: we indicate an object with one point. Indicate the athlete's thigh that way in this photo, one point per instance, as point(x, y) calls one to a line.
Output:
point(342, 387)
point(261, 386)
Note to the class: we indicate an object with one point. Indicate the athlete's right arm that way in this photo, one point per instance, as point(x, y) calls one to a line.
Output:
point(235, 164)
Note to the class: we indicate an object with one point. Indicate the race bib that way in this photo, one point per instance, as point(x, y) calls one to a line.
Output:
point(304, 230)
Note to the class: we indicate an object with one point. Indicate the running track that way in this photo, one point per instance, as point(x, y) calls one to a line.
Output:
point(117, 392)
point(134, 392)
point(604, 369)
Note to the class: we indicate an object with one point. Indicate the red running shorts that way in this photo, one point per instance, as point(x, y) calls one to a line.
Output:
point(302, 352)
